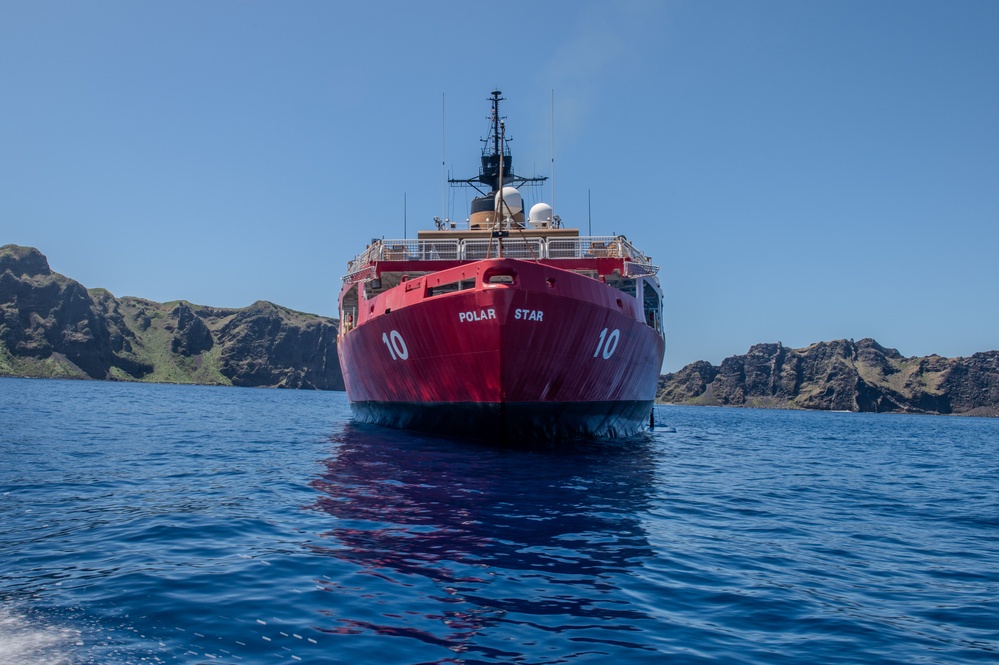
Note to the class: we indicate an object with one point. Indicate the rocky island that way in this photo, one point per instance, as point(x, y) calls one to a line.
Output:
point(842, 375)
point(52, 326)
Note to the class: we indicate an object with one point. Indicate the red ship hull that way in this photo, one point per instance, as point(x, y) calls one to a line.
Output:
point(530, 352)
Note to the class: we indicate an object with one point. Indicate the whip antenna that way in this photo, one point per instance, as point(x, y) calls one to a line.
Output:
point(553, 153)
point(443, 178)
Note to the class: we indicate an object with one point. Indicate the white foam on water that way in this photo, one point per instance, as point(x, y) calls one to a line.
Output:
point(27, 642)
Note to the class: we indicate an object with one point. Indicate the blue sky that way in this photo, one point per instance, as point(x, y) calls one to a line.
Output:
point(802, 171)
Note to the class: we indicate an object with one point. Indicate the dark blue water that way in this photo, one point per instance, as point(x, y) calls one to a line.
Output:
point(173, 524)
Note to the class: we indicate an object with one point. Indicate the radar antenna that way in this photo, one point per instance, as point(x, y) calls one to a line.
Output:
point(496, 162)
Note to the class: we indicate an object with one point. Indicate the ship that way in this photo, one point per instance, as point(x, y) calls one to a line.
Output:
point(508, 326)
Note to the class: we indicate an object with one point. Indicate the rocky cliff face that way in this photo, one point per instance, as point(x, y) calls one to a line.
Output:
point(267, 345)
point(53, 321)
point(841, 376)
point(51, 326)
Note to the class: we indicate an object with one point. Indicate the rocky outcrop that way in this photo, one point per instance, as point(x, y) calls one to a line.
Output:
point(23, 261)
point(689, 383)
point(52, 326)
point(190, 334)
point(266, 345)
point(45, 315)
point(842, 375)
point(971, 386)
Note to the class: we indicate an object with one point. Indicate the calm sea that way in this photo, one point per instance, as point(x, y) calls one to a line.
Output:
point(178, 524)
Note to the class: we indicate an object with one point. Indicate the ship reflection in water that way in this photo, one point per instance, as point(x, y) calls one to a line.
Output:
point(484, 551)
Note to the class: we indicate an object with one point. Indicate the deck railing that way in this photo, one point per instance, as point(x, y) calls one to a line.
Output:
point(513, 248)
point(473, 249)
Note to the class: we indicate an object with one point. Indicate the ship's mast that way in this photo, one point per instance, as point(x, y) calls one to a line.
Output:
point(497, 142)
point(496, 168)
point(499, 184)
point(492, 171)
